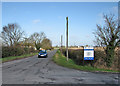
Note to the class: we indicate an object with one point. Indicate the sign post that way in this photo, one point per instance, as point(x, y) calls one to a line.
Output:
point(88, 53)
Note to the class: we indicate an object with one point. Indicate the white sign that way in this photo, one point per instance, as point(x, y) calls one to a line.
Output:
point(88, 53)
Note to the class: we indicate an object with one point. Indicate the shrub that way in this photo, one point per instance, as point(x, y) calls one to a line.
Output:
point(16, 51)
point(26, 50)
point(99, 58)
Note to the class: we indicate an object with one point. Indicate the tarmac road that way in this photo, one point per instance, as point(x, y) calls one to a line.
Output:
point(35, 70)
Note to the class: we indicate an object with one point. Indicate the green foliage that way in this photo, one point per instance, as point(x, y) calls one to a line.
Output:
point(15, 51)
point(109, 36)
point(26, 50)
point(100, 58)
point(109, 56)
point(60, 59)
point(17, 57)
point(78, 57)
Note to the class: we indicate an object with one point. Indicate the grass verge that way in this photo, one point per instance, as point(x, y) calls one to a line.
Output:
point(60, 59)
point(6, 59)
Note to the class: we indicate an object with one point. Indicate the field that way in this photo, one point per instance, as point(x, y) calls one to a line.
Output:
point(60, 59)
point(77, 55)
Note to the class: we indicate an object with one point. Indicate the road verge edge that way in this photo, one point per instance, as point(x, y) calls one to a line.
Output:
point(60, 59)
point(11, 58)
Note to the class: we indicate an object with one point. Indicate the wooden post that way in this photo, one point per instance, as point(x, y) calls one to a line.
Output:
point(61, 43)
point(67, 37)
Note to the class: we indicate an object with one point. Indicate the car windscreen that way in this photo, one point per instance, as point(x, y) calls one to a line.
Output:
point(42, 51)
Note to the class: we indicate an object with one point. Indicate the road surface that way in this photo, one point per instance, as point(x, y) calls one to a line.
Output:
point(35, 70)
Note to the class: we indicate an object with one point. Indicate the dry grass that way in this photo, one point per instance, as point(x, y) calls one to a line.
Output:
point(96, 48)
point(60, 59)
point(99, 55)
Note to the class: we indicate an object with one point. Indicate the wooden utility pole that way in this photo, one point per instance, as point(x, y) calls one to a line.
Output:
point(61, 43)
point(67, 37)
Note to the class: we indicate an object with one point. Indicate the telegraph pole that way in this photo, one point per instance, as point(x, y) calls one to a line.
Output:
point(67, 37)
point(61, 43)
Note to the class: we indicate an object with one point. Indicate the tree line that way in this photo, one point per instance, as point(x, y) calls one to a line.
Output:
point(107, 36)
point(15, 43)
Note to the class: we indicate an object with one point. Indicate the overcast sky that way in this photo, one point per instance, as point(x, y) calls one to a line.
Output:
point(50, 17)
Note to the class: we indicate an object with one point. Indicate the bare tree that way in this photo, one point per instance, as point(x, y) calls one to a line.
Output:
point(27, 42)
point(37, 38)
point(11, 34)
point(108, 36)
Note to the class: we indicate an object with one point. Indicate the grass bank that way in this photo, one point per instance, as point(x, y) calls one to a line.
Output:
point(6, 59)
point(60, 59)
